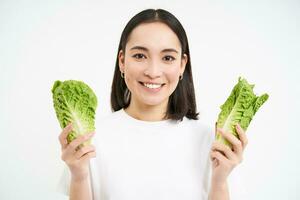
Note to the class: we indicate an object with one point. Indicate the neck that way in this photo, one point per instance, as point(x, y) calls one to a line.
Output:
point(147, 112)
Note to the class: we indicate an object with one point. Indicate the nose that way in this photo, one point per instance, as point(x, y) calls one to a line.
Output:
point(153, 70)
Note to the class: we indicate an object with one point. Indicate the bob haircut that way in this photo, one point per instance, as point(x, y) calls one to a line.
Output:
point(182, 101)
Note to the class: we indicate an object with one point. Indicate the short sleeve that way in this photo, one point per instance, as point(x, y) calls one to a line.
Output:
point(207, 168)
point(63, 185)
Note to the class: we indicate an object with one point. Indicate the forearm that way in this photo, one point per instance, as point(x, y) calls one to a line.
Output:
point(219, 192)
point(80, 190)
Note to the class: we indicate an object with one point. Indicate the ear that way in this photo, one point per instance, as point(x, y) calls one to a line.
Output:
point(121, 58)
point(184, 60)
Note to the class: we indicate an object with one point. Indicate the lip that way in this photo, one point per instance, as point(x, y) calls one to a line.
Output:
point(151, 83)
point(152, 90)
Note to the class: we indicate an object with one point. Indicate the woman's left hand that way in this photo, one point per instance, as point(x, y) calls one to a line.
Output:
point(224, 159)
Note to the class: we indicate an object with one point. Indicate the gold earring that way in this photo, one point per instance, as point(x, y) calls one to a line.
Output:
point(122, 74)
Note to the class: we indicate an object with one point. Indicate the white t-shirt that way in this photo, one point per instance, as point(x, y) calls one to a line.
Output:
point(142, 160)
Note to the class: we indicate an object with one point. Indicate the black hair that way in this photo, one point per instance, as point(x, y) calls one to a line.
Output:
point(182, 101)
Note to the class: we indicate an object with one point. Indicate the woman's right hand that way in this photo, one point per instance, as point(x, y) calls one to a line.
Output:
point(75, 156)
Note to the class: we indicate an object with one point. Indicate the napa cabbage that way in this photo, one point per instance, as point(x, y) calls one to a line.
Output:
point(75, 102)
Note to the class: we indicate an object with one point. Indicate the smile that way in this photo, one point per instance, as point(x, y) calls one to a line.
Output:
point(152, 85)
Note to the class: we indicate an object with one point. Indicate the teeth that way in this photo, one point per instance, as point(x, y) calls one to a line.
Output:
point(152, 86)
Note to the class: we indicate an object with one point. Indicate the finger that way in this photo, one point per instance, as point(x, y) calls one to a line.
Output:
point(220, 157)
point(236, 143)
point(88, 156)
point(215, 162)
point(224, 149)
point(78, 141)
point(212, 159)
point(84, 150)
point(242, 135)
point(63, 135)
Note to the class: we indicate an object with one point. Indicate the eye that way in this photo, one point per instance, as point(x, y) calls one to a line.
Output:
point(138, 56)
point(169, 58)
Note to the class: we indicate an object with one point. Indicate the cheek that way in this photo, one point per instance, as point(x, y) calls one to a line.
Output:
point(131, 74)
point(173, 74)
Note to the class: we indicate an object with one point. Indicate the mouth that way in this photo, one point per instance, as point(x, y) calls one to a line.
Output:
point(153, 86)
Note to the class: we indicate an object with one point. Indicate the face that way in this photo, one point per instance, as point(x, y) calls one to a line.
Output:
point(152, 64)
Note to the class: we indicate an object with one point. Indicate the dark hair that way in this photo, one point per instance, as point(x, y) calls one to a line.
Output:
point(182, 101)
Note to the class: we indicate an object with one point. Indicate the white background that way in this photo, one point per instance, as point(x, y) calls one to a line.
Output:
point(44, 41)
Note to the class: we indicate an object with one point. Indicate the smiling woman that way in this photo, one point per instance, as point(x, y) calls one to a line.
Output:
point(153, 55)
point(152, 146)
point(152, 67)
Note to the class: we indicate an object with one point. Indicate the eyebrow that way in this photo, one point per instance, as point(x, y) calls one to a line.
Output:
point(145, 49)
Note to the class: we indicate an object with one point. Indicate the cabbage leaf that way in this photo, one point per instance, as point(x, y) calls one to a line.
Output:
point(75, 102)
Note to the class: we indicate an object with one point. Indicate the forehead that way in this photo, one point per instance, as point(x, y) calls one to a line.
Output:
point(155, 36)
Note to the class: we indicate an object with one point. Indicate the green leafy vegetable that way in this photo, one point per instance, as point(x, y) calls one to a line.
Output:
point(240, 107)
point(75, 102)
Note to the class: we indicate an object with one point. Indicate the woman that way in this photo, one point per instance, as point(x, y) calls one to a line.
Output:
point(152, 146)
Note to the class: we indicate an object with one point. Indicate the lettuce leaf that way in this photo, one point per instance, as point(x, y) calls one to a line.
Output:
point(240, 107)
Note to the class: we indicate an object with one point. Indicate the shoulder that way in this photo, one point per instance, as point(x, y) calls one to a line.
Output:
point(197, 124)
point(110, 117)
point(206, 131)
point(107, 123)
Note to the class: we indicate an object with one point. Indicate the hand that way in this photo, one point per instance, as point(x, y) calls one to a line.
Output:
point(75, 155)
point(224, 159)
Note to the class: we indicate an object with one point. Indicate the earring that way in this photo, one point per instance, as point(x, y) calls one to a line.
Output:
point(122, 74)
point(180, 77)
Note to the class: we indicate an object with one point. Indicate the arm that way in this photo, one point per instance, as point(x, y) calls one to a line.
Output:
point(77, 157)
point(224, 160)
point(80, 190)
point(219, 192)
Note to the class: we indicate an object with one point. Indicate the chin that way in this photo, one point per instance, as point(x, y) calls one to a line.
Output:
point(153, 102)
